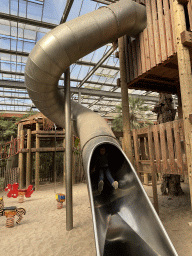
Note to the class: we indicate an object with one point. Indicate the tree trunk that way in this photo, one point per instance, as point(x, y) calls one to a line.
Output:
point(166, 113)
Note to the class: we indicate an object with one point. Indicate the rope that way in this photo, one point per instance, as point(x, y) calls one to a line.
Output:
point(10, 148)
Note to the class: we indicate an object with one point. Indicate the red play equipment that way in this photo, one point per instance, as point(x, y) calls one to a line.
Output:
point(13, 190)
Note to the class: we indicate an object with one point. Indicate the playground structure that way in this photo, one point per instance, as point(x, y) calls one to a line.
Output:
point(151, 57)
point(15, 192)
point(159, 60)
point(170, 139)
point(111, 213)
point(37, 138)
point(10, 212)
point(60, 198)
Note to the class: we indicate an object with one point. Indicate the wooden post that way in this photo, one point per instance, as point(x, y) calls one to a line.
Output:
point(125, 102)
point(137, 155)
point(179, 108)
point(146, 179)
point(1, 152)
point(28, 159)
point(54, 162)
point(73, 161)
point(153, 169)
point(142, 146)
point(37, 159)
point(185, 76)
point(11, 153)
point(18, 135)
point(21, 167)
point(144, 157)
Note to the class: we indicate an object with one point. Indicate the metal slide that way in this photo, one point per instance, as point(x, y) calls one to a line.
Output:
point(125, 222)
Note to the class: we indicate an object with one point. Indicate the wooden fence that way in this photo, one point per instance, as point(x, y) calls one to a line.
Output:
point(160, 149)
point(157, 42)
point(8, 176)
point(46, 173)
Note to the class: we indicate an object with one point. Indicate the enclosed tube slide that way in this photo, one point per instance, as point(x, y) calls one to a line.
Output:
point(124, 221)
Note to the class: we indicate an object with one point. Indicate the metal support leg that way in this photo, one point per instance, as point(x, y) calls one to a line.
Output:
point(68, 148)
point(79, 97)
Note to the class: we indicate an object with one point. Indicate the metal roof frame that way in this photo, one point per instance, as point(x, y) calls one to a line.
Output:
point(12, 78)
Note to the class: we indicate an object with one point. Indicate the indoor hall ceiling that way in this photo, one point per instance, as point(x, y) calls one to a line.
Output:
point(23, 23)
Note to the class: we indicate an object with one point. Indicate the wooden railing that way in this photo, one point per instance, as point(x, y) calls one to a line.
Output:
point(160, 148)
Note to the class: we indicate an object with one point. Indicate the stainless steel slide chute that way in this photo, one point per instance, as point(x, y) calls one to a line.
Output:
point(125, 222)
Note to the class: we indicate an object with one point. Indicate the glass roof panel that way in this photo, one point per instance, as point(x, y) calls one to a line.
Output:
point(73, 84)
point(14, 7)
point(29, 34)
point(19, 46)
point(6, 66)
point(13, 44)
point(53, 10)
point(27, 47)
point(40, 35)
point(24, 59)
point(95, 56)
point(88, 6)
point(34, 11)
point(4, 30)
point(22, 37)
point(5, 57)
point(112, 60)
point(5, 6)
point(22, 8)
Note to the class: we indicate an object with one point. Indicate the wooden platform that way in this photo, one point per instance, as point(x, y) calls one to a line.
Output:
point(161, 78)
point(151, 57)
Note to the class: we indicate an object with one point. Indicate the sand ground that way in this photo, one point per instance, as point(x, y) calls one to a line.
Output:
point(42, 232)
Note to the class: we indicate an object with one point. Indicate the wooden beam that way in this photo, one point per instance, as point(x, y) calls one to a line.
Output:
point(28, 158)
point(157, 148)
point(47, 132)
point(183, 2)
point(52, 149)
point(179, 108)
point(153, 169)
point(190, 118)
point(21, 163)
point(50, 136)
point(125, 102)
point(37, 159)
point(185, 77)
point(137, 156)
point(186, 38)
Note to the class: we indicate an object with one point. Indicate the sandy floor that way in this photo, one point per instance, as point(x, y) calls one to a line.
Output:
point(43, 229)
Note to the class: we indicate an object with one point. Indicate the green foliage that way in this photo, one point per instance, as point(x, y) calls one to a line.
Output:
point(137, 111)
point(77, 142)
point(8, 127)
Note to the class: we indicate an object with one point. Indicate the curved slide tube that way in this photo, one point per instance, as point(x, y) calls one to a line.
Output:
point(125, 222)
